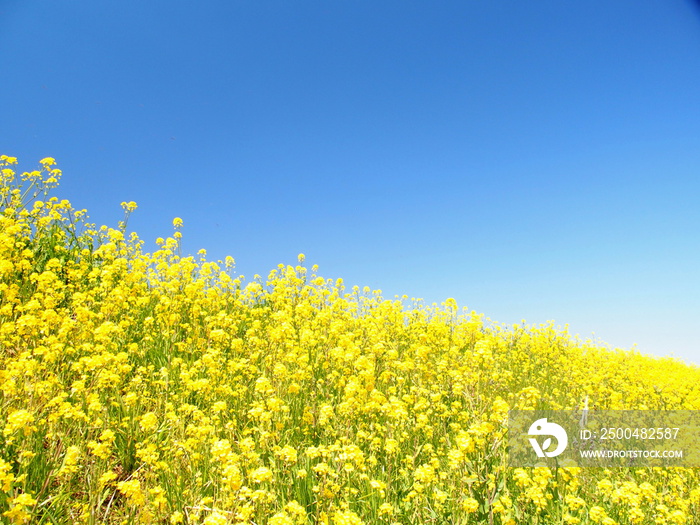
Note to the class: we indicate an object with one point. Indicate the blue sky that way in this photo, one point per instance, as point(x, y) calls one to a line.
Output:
point(533, 160)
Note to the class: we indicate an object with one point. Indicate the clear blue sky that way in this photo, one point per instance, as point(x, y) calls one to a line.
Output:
point(534, 160)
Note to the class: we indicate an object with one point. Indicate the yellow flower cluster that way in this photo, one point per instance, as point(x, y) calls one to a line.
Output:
point(159, 388)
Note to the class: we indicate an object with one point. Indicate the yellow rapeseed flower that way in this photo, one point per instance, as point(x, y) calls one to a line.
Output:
point(261, 474)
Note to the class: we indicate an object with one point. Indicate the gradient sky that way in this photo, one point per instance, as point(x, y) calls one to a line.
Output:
point(533, 160)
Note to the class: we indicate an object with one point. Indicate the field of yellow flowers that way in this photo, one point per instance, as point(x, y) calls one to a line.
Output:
point(158, 388)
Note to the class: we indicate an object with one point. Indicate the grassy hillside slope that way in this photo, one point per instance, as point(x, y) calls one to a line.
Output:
point(155, 388)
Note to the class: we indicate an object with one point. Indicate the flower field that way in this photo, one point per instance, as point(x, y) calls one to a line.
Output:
point(160, 388)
